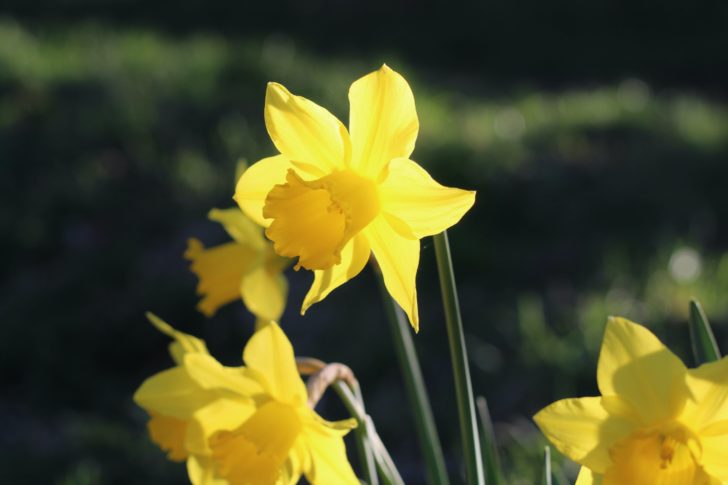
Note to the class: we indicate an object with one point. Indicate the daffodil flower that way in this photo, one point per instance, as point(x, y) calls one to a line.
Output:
point(332, 197)
point(656, 422)
point(246, 267)
point(242, 425)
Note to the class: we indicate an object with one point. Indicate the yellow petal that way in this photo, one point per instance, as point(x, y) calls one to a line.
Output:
point(708, 401)
point(183, 343)
point(172, 393)
point(239, 227)
point(256, 452)
point(382, 120)
point(269, 352)
point(354, 257)
point(304, 131)
point(220, 270)
point(587, 477)
point(636, 366)
point(264, 293)
point(219, 415)
point(583, 430)
point(209, 374)
point(169, 433)
point(715, 456)
point(255, 183)
point(398, 258)
point(329, 463)
point(426, 207)
point(201, 471)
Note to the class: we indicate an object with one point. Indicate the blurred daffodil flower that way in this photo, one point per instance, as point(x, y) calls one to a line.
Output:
point(246, 266)
point(246, 425)
point(332, 196)
point(656, 422)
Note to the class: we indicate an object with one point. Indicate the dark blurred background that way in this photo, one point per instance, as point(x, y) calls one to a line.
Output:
point(596, 135)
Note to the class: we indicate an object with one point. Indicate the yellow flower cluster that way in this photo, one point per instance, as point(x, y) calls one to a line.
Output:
point(331, 198)
point(247, 425)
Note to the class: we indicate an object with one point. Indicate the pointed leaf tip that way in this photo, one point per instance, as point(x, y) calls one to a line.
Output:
point(705, 348)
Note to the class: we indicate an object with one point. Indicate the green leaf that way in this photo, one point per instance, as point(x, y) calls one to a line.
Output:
point(705, 348)
point(488, 446)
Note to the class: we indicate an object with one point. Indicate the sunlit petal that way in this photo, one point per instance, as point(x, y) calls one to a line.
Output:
point(269, 352)
point(398, 258)
point(708, 401)
point(183, 343)
point(587, 477)
point(241, 228)
point(354, 257)
point(636, 366)
point(382, 120)
point(715, 456)
point(426, 207)
point(304, 131)
point(329, 464)
point(209, 374)
point(255, 183)
point(172, 393)
point(264, 293)
point(583, 430)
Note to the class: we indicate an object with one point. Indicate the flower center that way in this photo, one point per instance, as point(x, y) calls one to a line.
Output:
point(255, 453)
point(668, 455)
point(313, 220)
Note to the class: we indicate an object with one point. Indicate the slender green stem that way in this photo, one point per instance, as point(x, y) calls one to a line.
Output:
point(459, 356)
point(416, 391)
point(382, 461)
point(364, 446)
point(546, 478)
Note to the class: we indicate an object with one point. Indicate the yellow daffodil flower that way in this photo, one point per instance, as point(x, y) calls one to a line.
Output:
point(246, 267)
point(656, 422)
point(332, 196)
point(242, 425)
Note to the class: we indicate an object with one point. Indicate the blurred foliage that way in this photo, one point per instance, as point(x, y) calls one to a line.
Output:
point(594, 198)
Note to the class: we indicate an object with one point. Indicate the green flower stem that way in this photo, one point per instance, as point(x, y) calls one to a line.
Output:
point(364, 445)
point(546, 477)
point(415, 384)
point(458, 354)
point(370, 439)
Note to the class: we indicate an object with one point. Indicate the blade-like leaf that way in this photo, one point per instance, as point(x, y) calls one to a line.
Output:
point(488, 446)
point(705, 348)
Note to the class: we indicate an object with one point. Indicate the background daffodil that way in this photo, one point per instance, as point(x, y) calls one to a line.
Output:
point(656, 422)
point(242, 425)
point(246, 267)
point(332, 196)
